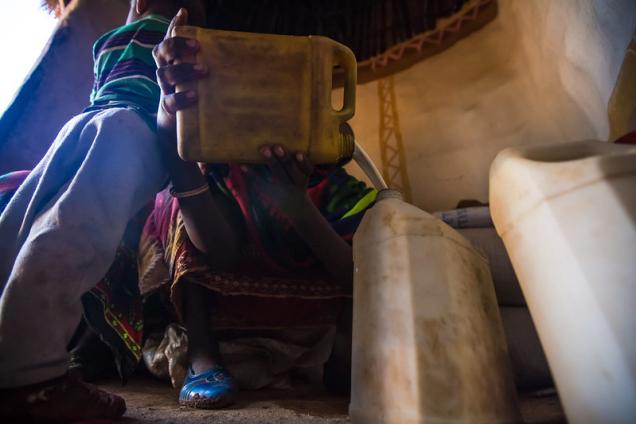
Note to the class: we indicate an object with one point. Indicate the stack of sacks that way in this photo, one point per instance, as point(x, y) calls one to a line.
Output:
point(528, 360)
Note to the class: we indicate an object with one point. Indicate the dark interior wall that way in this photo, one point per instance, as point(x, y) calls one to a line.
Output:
point(59, 85)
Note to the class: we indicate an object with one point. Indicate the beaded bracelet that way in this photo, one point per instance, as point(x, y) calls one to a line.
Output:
point(189, 193)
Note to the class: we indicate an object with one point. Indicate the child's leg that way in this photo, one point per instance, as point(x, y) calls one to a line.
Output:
point(62, 230)
point(203, 350)
point(207, 385)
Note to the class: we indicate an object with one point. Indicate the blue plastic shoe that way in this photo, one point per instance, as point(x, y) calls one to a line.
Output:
point(214, 388)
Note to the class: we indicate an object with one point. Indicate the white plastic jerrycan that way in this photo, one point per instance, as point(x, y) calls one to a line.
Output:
point(428, 343)
point(567, 215)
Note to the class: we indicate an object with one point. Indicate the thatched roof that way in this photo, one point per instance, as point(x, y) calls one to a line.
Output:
point(385, 35)
point(368, 27)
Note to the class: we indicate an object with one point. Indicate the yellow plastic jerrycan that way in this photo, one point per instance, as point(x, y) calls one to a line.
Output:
point(266, 89)
point(428, 343)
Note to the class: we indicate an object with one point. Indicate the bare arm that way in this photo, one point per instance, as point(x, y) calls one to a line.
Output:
point(331, 250)
point(289, 188)
point(207, 218)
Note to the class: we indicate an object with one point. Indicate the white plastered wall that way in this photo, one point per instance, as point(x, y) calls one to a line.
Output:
point(541, 72)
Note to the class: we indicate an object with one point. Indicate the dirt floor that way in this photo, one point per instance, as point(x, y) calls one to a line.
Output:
point(152, 401)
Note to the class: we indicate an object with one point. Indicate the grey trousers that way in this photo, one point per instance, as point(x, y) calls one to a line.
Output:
point(60, 232)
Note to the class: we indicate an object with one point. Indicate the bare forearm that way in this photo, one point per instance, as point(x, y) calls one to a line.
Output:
point(208, 224)
point(210, 231)
point(334, 253)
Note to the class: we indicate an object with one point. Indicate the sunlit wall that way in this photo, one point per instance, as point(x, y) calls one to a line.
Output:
point(541, 72)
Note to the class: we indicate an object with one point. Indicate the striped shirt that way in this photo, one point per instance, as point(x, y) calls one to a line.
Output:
point(125, 71)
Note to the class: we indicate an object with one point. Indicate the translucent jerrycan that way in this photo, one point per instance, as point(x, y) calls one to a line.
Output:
point(428, 343)
point(266, 89)
point(567, 216)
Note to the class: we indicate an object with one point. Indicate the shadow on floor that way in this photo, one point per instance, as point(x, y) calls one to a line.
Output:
point(152, 401)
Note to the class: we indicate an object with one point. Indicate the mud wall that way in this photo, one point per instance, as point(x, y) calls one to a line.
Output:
point(541, 72)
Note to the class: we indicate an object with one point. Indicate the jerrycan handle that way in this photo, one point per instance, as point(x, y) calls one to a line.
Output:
point(344, 57)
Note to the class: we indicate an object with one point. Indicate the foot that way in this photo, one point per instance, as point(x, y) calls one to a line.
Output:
point(214, 388)
point(202, 363)
point(61, 400)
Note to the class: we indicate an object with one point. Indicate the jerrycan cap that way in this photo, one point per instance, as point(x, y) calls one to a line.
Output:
point(388, 193)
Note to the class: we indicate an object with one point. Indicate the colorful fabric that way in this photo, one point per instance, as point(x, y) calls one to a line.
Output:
point(629, 138)
point(125, 69)
point(113, 308)
point(9, 183)
point(279, 287)
point(279, 283)
point(124, 77)
point(124, 91)
point(341, 199)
